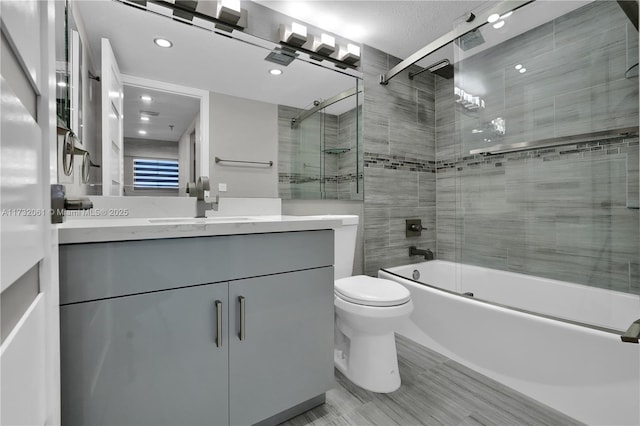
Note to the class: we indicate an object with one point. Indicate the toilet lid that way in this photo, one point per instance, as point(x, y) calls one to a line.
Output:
point(365, 290)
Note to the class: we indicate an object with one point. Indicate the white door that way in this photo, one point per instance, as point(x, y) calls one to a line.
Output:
point(29, 348)
point(112, 117)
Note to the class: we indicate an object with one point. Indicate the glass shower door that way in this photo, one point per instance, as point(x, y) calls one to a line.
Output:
point(546, 163)
point(326, 154)
point(307, 162)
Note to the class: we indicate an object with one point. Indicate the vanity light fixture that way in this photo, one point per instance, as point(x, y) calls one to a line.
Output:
point(142, 132)
point(498, 125)
point(296, 35)
point(229, 11)
point(498, 25)
point(144, 118)
point(324, 45)
point(318, 45)
point(62, 84)
point(146, 98)
point(350, 55)
point(493, 18)
point(467, 100)
point(226, 15)
point(275, 71)
point(162, 42)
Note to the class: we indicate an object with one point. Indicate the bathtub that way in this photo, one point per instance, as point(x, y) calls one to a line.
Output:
point(554, 341)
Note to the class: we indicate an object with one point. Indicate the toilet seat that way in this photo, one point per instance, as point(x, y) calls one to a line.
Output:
point(370, 291)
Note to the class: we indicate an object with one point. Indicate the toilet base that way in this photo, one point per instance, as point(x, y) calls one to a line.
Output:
point(371, 362)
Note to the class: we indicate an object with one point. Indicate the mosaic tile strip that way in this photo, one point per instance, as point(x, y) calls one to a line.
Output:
point(297, 178)
point(398, 162)
point(606, 147)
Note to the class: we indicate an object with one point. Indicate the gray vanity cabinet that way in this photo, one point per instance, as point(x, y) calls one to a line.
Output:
point(139, 346)
point(145, 359)
point(282, 359)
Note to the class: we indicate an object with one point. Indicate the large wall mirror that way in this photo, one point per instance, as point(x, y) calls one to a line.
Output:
point(154, 118)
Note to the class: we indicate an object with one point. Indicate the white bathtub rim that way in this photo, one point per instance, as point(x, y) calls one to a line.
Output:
point(526, 312)
point(546, 319)
point(515, 274)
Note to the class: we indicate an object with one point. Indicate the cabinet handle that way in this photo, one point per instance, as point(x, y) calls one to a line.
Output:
point(219, 323)
point(242, 321)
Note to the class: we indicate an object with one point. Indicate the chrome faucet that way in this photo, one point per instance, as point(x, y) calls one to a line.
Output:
point(414, 251)
point(632, 335)
point(197, 190)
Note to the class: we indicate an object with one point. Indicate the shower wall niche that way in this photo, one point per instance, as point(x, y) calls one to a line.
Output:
point(320, 149)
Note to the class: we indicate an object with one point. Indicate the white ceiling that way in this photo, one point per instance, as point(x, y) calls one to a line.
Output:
point(173, 110)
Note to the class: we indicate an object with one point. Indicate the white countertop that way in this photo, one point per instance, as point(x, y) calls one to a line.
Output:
point(101, 230)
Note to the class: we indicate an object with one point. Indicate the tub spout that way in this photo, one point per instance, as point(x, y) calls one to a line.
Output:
point(414, 251)
point(632, 335)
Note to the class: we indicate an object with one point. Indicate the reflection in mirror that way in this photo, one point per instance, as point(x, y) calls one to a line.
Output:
point(69, 75)
point(77, 99)
point(243, 103)
point(62, 66)
point(77, 82)
point(159, 141)
point(324, 147)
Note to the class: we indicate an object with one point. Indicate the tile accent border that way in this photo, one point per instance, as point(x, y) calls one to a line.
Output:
point(294, 178)
point(582, 149)
point(398, 162)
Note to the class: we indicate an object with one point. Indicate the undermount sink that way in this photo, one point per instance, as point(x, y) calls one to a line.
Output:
point(227, 219)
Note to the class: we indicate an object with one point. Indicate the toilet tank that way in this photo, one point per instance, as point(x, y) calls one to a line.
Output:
point(344, 249)
point(344, 244)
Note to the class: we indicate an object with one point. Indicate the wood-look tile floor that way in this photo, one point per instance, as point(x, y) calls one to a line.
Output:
point(435, 391)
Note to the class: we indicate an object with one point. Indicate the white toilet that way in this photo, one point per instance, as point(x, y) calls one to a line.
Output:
point(367, 311)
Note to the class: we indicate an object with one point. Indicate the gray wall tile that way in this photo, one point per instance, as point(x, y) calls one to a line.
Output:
point(398, 123)
point(305, 168)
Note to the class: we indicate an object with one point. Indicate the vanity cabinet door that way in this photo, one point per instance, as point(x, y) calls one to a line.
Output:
point(148, 359)
point(285, 356)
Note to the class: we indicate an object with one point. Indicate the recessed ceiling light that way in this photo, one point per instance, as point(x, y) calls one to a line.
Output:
point(518, 66)
point(493, 18)
point(275, 71)
point(162, 42)
point(145, 98)
point(144, 118)
point(498, 25)
point(506, 15)
point(523, 70)
point(142, 132)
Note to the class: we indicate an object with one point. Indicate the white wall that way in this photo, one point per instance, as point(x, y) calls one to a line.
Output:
point(242, 129)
